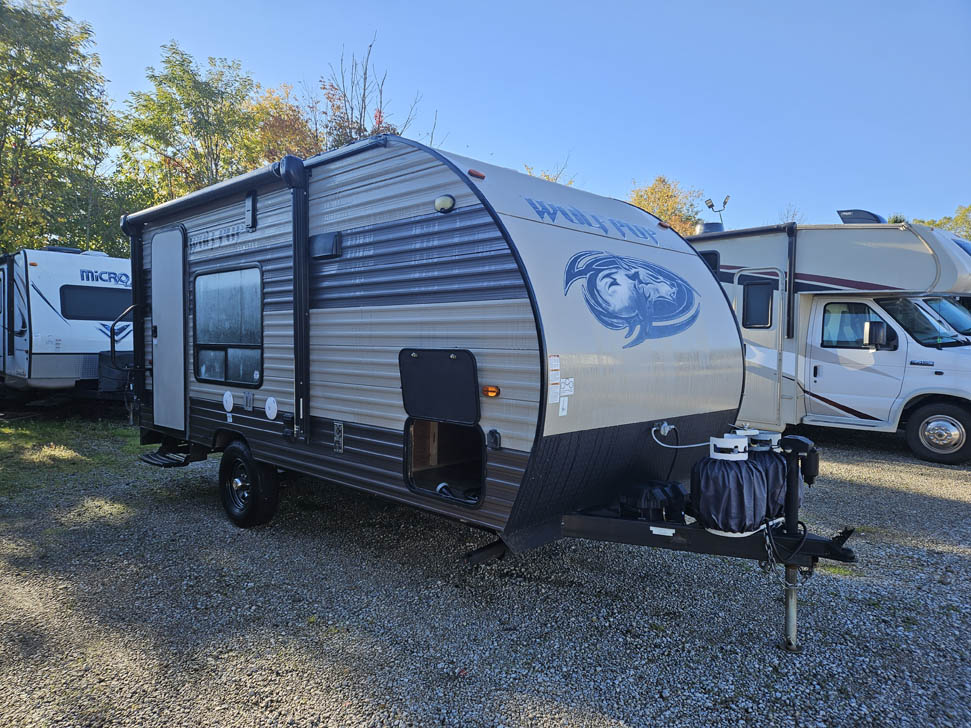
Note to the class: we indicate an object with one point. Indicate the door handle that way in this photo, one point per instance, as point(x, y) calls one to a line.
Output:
point(154, 332)
point(815, 370)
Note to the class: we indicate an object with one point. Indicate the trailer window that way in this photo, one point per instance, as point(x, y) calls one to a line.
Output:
point(94, 303)
point(757, 305)
point(446, 459)
point(229, 327)
point(843, 325)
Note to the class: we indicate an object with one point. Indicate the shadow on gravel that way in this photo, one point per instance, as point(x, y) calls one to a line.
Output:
point(349, 595)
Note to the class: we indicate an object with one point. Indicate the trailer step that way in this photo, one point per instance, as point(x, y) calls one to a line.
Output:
point(166, 458)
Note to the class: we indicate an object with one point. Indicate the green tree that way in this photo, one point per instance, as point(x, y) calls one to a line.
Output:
point(286, 125)
point(196, 127)
point(56, 132)
point(959, 223)
point(676, 205)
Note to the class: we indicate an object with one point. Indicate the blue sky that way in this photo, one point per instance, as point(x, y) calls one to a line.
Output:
point(820, 104)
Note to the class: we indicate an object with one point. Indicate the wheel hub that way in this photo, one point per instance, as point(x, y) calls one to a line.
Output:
point(239, 484)
point(942, 434)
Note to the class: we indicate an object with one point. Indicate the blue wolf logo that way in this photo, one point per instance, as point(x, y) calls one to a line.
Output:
point(649, 301)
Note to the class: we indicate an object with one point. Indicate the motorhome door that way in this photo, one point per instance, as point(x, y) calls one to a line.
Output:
point(759, 300)
point(168, 329)
point(845, 379)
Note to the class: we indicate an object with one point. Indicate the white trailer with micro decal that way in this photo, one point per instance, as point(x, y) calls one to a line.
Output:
point(57, 307)
point(856, 326)
point(528, 358)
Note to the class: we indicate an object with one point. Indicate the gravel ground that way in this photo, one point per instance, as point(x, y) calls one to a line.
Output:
point(128, 599)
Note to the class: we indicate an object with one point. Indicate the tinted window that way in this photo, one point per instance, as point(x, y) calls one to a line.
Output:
point(94, 303)
point(228, 307)
point(229, 327)
point(757, 305)
point(843, 325)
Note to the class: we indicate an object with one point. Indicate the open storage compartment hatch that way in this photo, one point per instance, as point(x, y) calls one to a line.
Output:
point(447, 459)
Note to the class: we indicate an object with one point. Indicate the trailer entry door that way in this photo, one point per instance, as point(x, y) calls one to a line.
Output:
point(168, 329)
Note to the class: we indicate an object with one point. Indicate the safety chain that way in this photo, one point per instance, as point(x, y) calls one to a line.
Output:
point(769, 565)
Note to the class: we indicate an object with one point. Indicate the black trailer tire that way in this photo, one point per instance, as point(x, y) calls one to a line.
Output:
point(940, 432)
point(250, 490)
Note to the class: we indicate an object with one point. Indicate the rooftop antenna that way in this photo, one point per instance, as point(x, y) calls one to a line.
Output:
point(711, 206)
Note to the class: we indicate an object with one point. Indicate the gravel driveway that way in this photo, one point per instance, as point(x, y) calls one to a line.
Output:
point(128, 599)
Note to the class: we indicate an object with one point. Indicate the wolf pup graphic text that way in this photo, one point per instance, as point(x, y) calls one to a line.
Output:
point(648, 300)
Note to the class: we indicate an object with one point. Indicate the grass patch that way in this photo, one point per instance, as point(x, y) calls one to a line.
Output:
point(33, 452)
point(836, 570)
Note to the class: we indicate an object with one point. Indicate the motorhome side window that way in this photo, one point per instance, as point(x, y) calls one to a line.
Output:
point(229, 327)
point(843, 325)
point(757, 305)
point(94, 303)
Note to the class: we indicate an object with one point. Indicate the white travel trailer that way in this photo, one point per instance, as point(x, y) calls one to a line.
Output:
point(57, 306)
point(856, 326)
point(519, 355)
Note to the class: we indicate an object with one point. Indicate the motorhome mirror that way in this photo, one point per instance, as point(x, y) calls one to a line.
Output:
point(875, 334)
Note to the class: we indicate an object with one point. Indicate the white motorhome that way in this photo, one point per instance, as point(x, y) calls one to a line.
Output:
point(57, 306)
point(857, 326)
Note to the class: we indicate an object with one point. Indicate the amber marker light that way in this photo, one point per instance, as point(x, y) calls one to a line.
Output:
point(32, 263)
point(663, 224)
point(476, 173)
point(490, 390)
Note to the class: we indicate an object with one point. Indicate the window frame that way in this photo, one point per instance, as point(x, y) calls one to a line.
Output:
point(773, 287)
point(892, 344)
point(196, 346)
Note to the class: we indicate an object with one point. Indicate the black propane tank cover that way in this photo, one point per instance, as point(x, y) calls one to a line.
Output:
point(728, 495)
point(773, 466)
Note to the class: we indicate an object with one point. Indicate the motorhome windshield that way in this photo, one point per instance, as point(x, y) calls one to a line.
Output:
point(951, 311)
point(921, 327)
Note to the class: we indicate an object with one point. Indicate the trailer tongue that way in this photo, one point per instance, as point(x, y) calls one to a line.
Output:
point(785, 541)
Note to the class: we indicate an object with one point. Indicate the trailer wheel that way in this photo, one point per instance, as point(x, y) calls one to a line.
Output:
point(940, 432)
point(250, 491)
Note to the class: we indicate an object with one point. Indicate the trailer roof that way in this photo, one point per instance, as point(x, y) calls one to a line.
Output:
point(784, 227)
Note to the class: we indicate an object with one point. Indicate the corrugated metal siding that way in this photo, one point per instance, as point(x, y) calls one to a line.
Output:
point(434, 258)
point(380, 185)
point(410, 277)
point(270, 246)
point(373, 460)
point(354, 360)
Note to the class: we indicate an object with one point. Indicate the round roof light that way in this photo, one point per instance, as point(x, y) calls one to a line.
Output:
point(445, 203)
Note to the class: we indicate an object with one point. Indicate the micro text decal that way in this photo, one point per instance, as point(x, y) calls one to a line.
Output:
point(106, 276)
point(649, 301)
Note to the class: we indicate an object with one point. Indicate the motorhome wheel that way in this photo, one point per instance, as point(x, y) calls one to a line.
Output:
point(939, 432)
point(250, 490)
